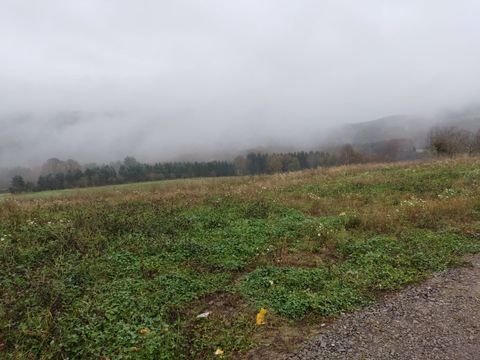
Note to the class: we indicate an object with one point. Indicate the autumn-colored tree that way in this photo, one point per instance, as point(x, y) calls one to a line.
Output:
point(450, 141)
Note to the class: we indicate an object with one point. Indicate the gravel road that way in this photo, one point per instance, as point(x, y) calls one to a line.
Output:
point(439, 319)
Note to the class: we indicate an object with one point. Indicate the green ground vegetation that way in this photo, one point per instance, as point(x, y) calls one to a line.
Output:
point(123, 272)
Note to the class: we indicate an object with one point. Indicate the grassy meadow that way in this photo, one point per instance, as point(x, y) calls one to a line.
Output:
point(123, 272)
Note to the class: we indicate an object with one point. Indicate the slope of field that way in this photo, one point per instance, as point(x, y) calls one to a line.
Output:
point(125, 272)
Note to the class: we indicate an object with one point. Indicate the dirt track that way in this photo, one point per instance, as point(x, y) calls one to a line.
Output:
point(439, 319)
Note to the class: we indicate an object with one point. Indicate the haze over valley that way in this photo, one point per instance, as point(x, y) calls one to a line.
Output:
point(96, 81)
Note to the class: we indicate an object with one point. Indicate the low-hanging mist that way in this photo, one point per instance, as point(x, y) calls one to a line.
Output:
point(99, 80)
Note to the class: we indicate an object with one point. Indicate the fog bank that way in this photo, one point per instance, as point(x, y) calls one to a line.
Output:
point(98, 80)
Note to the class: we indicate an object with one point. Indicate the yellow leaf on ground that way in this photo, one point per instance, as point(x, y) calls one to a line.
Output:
point(261, 316)
point(144, 331)
point(219, 352)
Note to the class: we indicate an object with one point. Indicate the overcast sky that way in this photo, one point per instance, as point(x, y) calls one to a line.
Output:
point(157, 79)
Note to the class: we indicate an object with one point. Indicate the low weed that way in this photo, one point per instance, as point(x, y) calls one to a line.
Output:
point(124, 273)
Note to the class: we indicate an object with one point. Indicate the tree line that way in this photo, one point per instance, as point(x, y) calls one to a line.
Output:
point(129, 171)
point(57, 174)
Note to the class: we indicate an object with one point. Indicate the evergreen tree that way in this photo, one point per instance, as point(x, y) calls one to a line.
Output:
point(18, 185)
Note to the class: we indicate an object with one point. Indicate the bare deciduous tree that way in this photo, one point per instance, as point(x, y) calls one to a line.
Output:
point(450, 141)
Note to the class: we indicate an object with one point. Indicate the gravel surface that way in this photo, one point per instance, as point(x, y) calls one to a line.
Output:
point(439, 319)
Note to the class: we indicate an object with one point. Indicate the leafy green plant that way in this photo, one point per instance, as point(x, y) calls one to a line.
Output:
point(123, 272)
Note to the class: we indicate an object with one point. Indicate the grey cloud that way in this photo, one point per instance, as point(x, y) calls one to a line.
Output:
point(158, 79)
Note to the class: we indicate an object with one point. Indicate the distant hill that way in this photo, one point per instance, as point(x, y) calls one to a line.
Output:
point(26, 142)
point(391, 127)
point(414, 128)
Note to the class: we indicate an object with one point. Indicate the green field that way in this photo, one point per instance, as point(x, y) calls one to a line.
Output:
point(140, 186)
point(123, 272)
